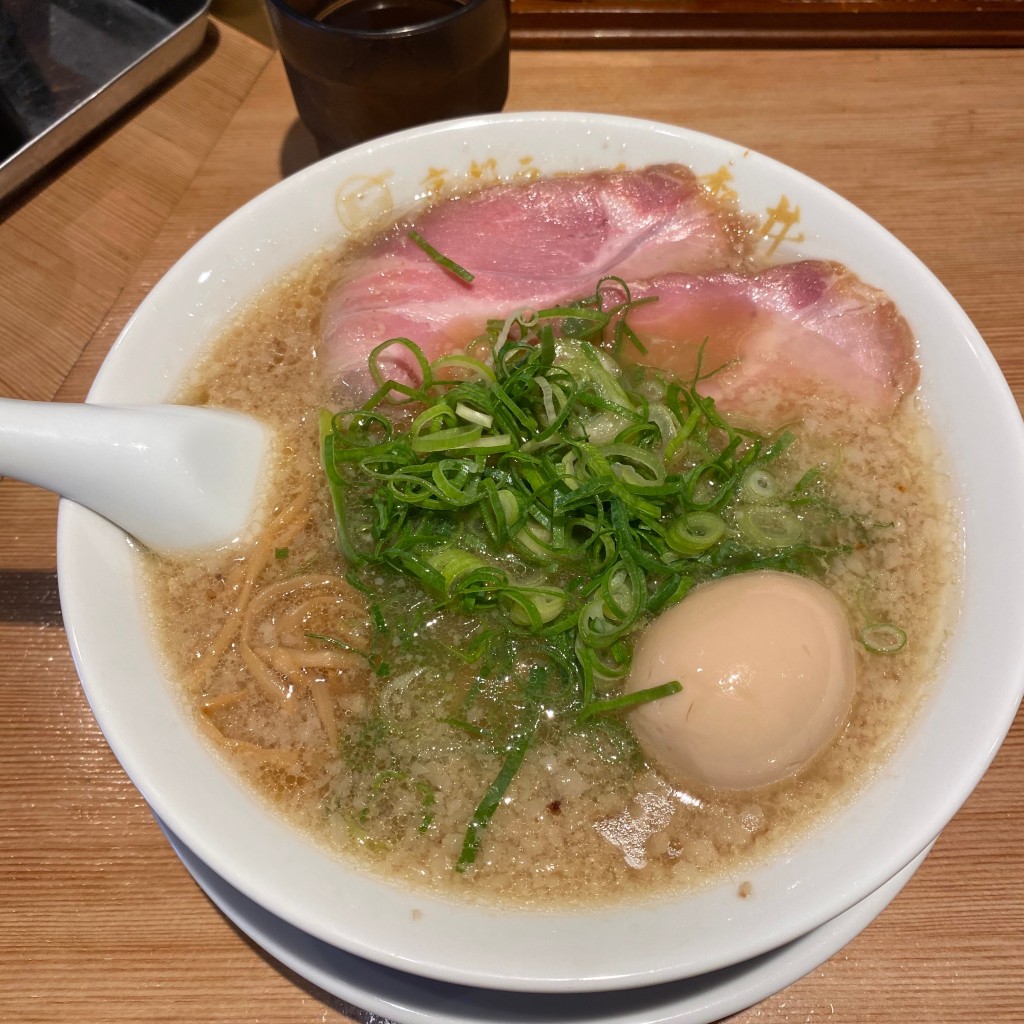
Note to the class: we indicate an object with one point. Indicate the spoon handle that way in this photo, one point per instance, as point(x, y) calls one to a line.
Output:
point(176, 478)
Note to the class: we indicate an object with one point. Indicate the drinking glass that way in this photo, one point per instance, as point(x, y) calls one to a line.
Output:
point(363, 68)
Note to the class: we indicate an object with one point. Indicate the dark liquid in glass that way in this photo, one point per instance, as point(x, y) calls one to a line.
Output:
point(362, 68)
point(381, 15)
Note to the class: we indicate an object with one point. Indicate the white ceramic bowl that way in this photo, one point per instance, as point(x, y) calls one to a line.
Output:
point(945, 753)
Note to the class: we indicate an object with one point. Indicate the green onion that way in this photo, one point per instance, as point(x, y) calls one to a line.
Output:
point(548, 501)
point(385, 385)
point(492, 798)
point(769, 526)
point(454, 563)
point(628, 701)
point(467, 366)
point(467, 412)
point(535, 606)
point(883, 638)
point(444, 261)
point(759, 485)
point(694, 532)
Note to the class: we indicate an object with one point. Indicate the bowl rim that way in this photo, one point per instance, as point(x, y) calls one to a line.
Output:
point(88, 548)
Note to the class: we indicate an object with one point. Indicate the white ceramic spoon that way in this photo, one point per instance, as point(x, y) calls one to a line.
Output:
point(177, 478)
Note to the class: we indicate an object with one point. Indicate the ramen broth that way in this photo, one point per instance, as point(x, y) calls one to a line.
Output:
point(365, 757)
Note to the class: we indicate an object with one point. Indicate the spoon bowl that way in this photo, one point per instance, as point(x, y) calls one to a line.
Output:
point(177, 478)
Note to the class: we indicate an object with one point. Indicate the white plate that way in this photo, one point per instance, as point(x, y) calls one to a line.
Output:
point(409, 999)
point(949, 747)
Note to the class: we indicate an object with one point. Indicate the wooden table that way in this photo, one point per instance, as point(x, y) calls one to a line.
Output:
point(99, 922)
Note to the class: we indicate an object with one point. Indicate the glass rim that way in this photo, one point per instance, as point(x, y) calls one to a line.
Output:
point(286, 8)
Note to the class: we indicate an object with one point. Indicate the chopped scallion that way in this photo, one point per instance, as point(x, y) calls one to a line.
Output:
point(450, 265)
point(883, 638)
point(548, 500)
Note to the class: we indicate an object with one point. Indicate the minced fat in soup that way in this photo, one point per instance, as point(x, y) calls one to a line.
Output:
point(584, 821)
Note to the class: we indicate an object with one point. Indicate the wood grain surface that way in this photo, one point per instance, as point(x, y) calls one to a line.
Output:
point(702, 24)
point(99, 922)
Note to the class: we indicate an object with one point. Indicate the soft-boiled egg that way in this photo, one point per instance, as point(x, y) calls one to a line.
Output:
point(767, 667)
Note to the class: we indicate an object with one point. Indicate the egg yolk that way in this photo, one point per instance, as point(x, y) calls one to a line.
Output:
point(767, 667)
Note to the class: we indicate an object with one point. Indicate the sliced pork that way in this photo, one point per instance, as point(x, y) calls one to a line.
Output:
point(795, 328)
point(528, 244)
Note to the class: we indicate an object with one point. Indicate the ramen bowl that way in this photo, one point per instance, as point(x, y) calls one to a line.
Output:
point(864, 843)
